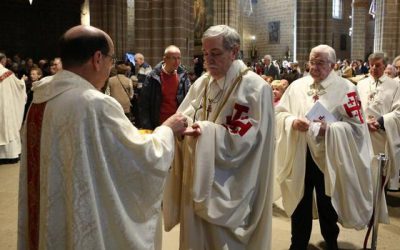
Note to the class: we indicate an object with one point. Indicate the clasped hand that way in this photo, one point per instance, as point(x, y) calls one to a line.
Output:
point(302, 125)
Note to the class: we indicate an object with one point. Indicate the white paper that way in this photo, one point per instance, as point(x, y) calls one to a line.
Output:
point(319, 112)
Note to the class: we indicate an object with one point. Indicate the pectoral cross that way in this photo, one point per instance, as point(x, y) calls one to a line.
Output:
point(209, 107)
point(316, 90)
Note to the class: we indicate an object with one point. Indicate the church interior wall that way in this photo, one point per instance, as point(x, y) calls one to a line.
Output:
point(274, 28)
point(390, 26)
point(341, 40)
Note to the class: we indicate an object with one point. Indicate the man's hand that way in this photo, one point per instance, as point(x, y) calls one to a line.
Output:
point(373, 125)
point(194, 130)
point(301, 124)
point(178, 124)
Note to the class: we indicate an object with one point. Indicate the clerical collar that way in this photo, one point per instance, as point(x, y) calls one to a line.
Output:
point(220, 82)
point(379, 80)
point(327, 81)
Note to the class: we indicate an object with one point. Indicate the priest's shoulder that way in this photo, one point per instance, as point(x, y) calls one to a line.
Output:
point(201, 80)
point(98, 99)
point(299, 83)
point(251, 77)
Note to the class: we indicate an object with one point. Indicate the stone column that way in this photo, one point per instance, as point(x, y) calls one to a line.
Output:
point(387, 28)
point(130, 26)
point(111, 16)
point(85, 13)
point(162, 23)
point(314, 26)
point(359, 27)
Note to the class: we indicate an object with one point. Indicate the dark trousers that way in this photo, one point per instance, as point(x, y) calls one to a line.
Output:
point(302, 216)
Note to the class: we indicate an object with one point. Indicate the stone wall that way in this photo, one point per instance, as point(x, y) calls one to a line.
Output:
point(340, 32)
point(130, 26)
point(360, 21)
point(314, 26)
point(111, 16)
point(387, 28)
point(162, 23)
point(268, 13)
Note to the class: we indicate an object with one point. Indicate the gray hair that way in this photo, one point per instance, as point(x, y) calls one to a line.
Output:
point(230, 37)
point(269, 57)
point(396, 59)
point(377, 56)
point(328, 50)
point(139, 55)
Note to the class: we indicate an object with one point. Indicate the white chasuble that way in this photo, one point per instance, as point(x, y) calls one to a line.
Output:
point(101, 181)
point(220, 185)
point(383, 99)
point(12, 103)
point(343, 154)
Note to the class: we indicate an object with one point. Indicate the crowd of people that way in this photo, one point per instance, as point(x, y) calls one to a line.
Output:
point(110, 148)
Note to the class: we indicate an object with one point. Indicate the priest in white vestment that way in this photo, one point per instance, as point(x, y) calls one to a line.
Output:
point(12, 103)
point(396, 64)
point(380, 98)
point(325, 150)
point(89, 179)
point(220, 186)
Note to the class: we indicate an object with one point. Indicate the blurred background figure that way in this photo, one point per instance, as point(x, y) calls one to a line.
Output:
point(121, 88)
point(347, 71)
point(270, 69)
point(163, 90)
point(278, 88)
point(142, 69)
point(12, 102)
point(35, 75)
point(390, 71)
point(396, 64)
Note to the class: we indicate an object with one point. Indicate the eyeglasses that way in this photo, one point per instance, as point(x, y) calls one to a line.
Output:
point(113, 58)
point(318, 63)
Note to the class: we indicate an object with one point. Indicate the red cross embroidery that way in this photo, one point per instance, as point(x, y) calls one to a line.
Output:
point(353, 106)
point(236, 125)
point(315, 97)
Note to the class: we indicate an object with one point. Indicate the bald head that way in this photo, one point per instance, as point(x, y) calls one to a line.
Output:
point(79, 43)
point(172, 58)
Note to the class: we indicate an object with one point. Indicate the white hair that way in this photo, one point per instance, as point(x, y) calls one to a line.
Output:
point(325, 49)
point(231, 38)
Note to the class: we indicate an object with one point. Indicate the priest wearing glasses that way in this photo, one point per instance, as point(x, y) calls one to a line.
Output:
point(331, 156)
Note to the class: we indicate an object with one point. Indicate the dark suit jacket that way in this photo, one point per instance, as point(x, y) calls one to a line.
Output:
point(273, 71)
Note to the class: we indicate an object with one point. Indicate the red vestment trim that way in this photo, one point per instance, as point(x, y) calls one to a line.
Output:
point(5, 75)
point(33, 132)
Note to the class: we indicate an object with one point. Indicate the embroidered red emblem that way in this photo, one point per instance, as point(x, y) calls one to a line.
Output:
point(353, 106)
point(5, 75)
point(238, 124)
